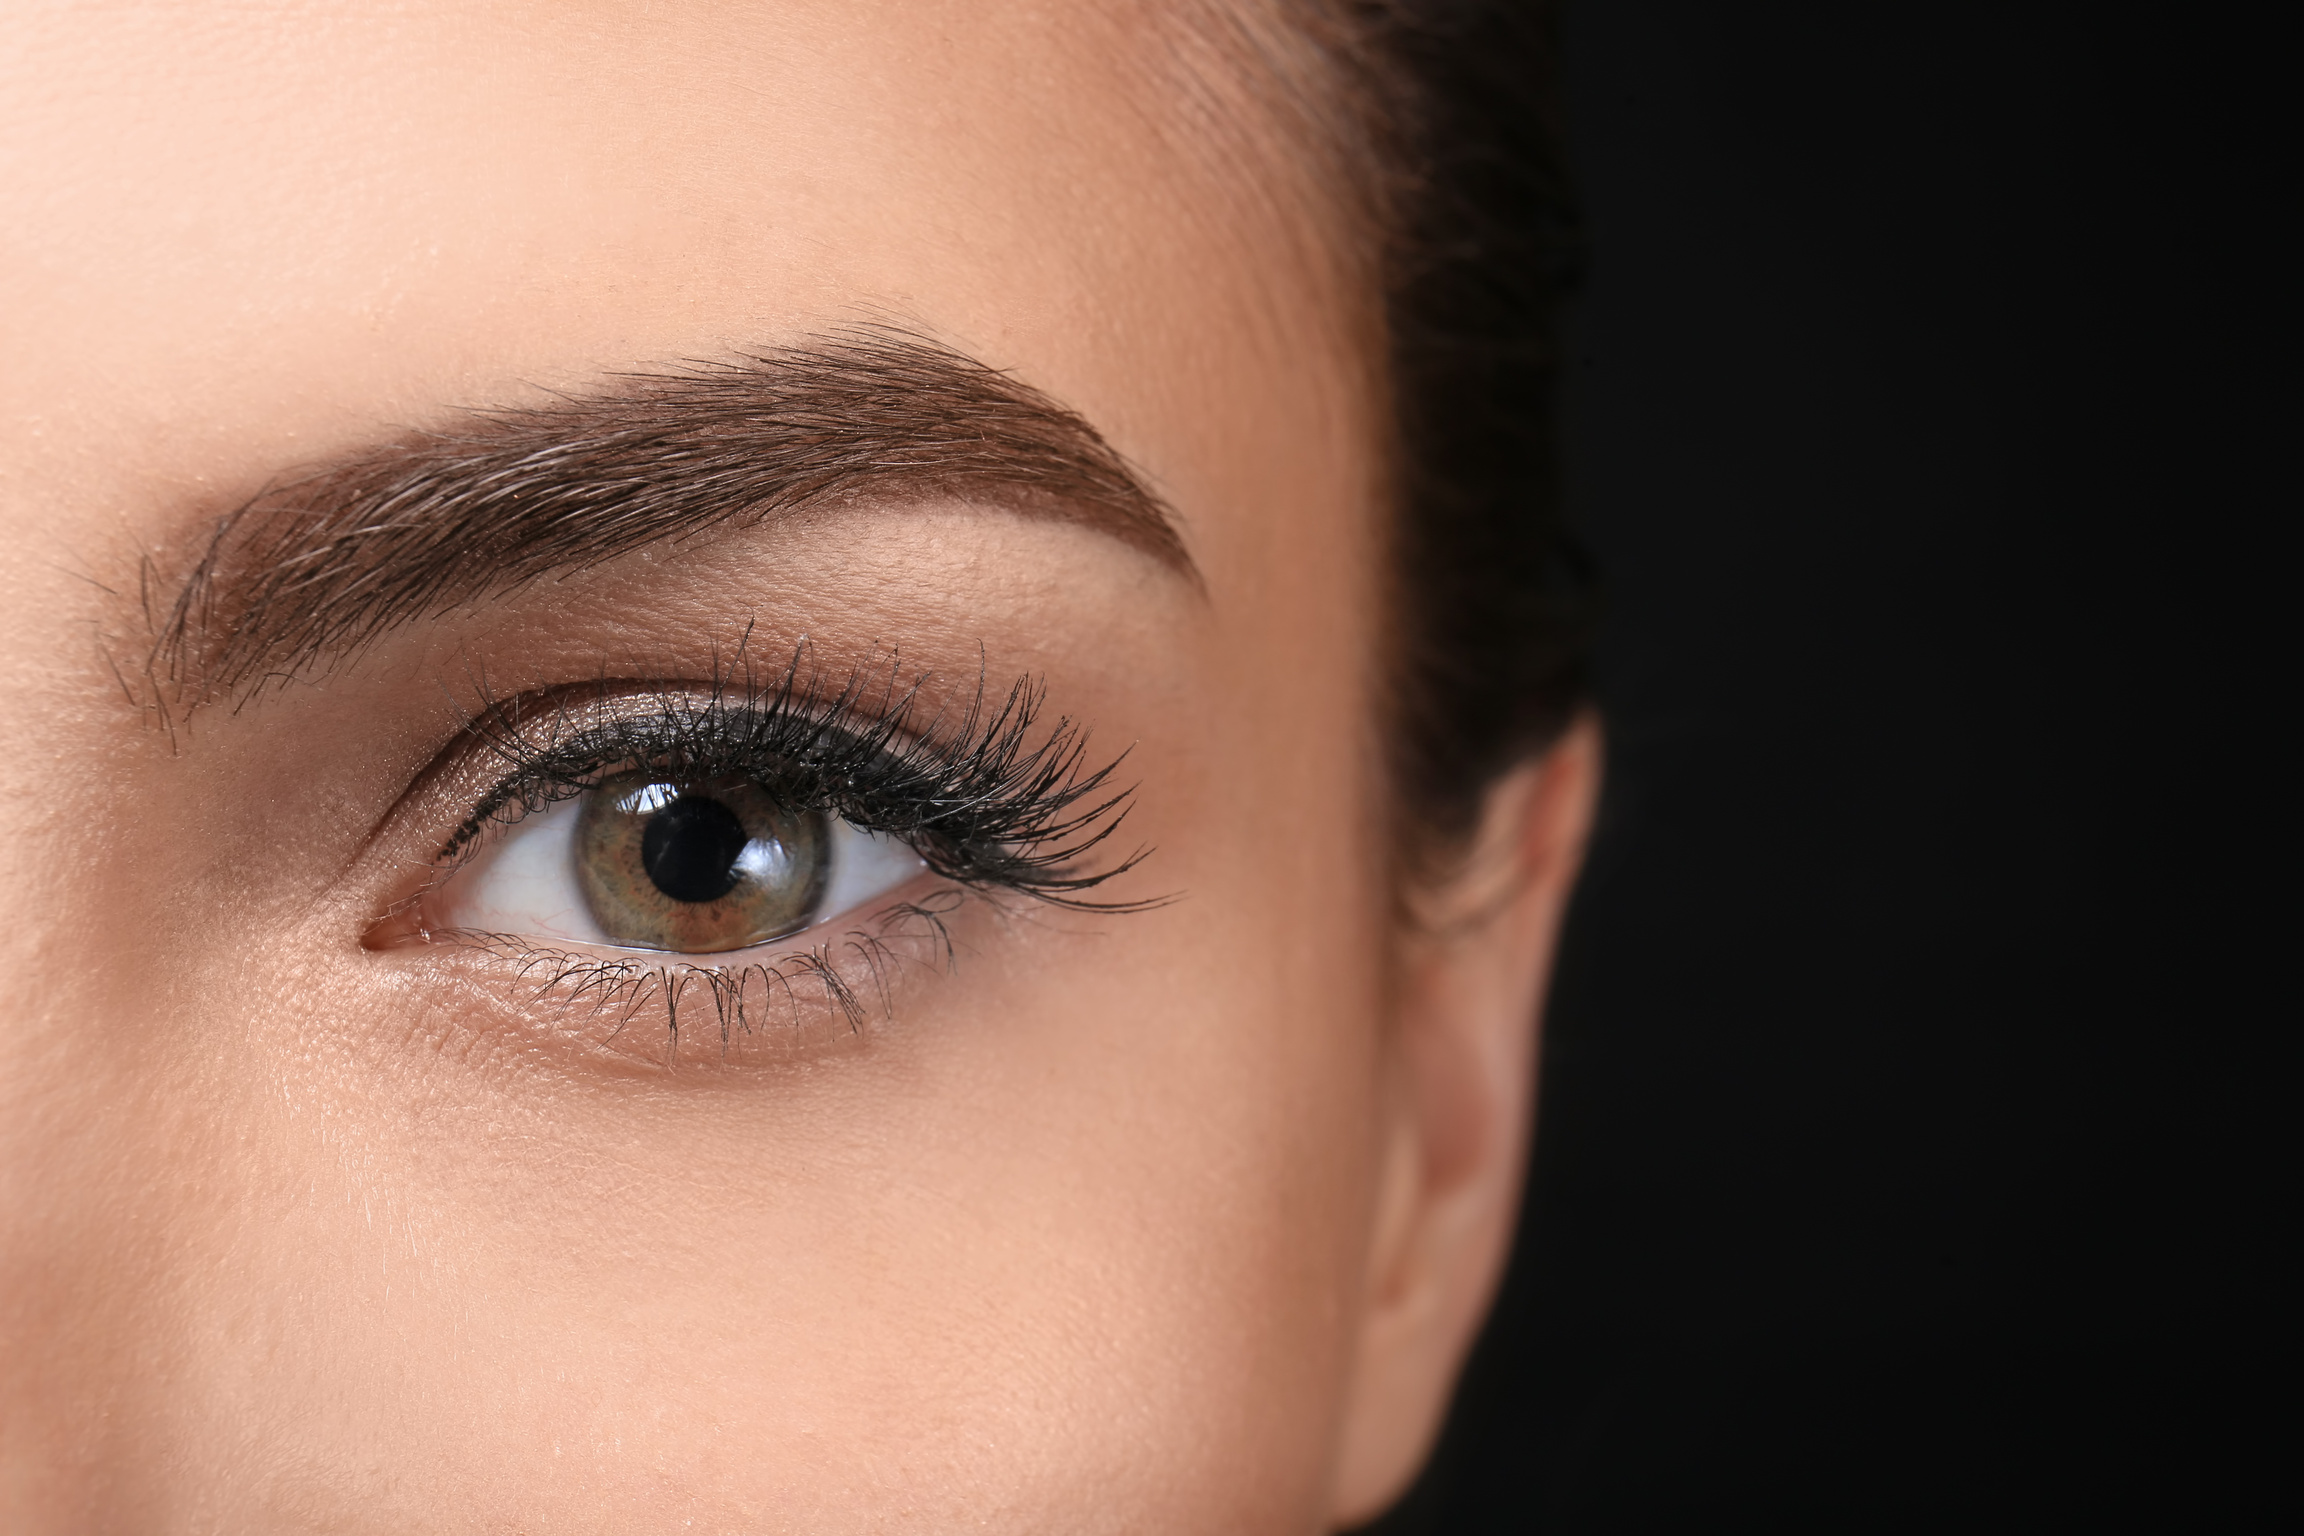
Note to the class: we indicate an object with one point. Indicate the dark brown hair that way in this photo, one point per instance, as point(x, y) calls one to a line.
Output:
point(1493, 599)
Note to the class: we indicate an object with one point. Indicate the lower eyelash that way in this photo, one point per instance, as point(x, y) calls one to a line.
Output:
point(746, 999)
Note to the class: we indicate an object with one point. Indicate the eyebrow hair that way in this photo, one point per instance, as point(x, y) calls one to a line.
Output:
point(326, 563)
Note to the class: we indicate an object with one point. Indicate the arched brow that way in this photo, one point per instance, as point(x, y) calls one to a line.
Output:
point(318, 567)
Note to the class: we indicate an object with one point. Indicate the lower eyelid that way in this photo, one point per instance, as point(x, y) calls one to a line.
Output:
point(774, 1004)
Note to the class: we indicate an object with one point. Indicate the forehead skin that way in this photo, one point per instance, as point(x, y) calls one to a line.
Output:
point(1068, 1246)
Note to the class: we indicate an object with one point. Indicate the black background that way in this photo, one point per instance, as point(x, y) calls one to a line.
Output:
point(1898, 1118)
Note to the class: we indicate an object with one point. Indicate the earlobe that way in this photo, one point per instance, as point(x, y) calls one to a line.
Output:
point(1459, 1104)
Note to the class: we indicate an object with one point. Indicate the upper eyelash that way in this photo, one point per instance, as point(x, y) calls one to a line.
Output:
point(982, 804)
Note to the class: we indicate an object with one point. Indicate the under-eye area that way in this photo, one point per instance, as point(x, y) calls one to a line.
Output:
point(662, 856)
point(665, 1010)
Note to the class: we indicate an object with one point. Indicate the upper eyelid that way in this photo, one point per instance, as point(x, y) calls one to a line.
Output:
point(589, 753)
point(989, 793)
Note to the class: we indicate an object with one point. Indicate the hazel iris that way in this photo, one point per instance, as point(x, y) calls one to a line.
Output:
point(697, 867)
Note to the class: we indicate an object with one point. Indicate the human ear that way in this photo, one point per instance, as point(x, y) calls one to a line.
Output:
point(1457, 1108)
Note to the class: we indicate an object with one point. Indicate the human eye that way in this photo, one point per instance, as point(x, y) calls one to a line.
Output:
point(647, 859)
point(641, 835)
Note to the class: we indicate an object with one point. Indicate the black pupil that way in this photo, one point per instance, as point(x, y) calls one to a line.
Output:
point(690, 849)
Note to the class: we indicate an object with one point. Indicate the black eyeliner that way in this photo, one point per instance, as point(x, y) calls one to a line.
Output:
point(985, 799)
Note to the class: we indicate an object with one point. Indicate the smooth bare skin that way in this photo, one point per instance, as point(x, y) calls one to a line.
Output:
point(1172, 1221)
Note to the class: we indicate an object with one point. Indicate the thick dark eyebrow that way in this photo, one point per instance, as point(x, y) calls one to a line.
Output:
point(321, 565)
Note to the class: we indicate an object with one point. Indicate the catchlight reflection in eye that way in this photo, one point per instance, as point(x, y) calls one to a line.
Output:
point(641, 862)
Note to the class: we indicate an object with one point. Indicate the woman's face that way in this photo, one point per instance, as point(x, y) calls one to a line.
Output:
point(318, 1211)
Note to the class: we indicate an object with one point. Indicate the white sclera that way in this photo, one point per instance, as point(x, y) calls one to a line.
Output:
point(525, 885)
